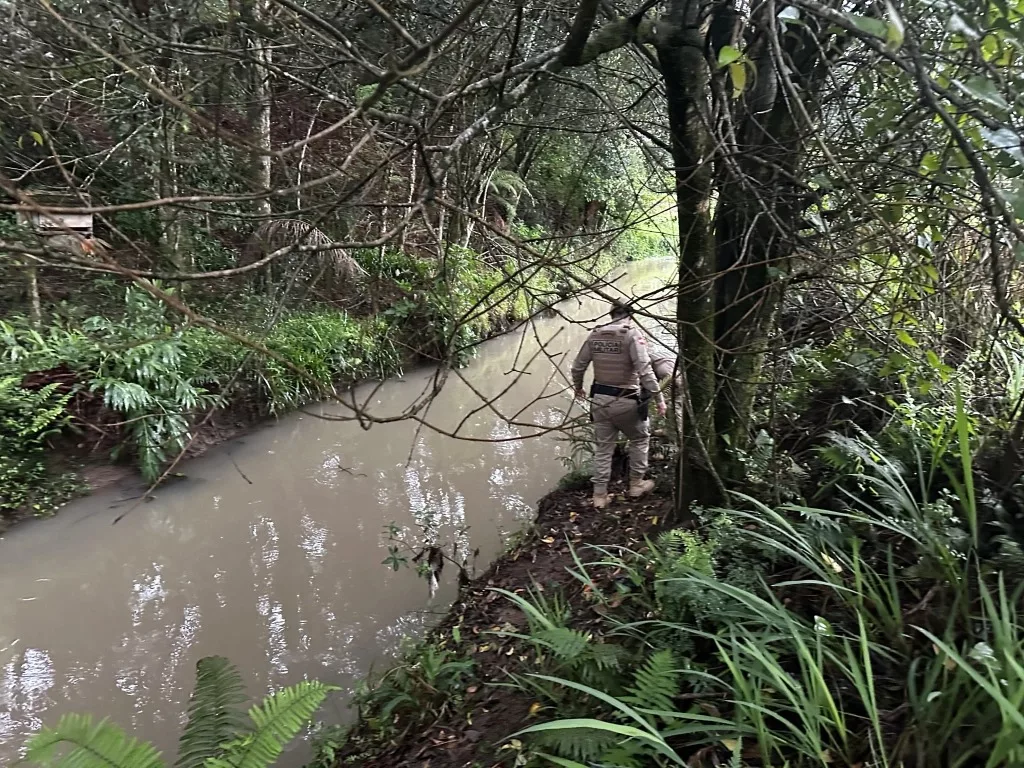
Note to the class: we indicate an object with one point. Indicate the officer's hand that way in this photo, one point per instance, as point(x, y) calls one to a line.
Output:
point(662, 408)
point(581, 395)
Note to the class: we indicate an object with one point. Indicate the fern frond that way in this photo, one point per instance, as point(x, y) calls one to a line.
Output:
point(584, 745)
point(656, 683)
point(215, 713)
point(566, 644)
point(606, 656)
point(92, 745)
point(672, 543)
point(278, 720)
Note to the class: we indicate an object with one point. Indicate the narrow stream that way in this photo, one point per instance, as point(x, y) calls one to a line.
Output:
point(270, 553)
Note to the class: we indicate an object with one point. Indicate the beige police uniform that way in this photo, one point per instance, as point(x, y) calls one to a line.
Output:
point(664, 364)
point(622, 364)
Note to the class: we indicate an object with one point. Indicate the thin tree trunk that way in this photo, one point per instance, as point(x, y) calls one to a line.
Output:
point(170, 226)
point(404, 235)
point(32, 276)
point(263, 97)
point(171, 237)
point(302, 154)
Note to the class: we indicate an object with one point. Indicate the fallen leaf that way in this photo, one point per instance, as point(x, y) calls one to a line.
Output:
point(473, 689)
point(535, 708)
point(730, 744)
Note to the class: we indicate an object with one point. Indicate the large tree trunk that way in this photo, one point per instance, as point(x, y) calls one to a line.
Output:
point(758, 214)
point(680, 53)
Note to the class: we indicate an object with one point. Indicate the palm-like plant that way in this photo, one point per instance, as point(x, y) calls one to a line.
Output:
point(217, 734)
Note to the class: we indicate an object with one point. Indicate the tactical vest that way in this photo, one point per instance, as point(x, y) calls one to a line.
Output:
point(609, 351)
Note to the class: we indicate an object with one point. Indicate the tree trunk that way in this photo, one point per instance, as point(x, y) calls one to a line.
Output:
point(757, 215)
point(263, 97)
point(171, 245)
point(32, 275)
point(680, 53)
point(170, 226)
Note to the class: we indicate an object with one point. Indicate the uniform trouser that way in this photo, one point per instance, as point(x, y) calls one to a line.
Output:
point(612, 415)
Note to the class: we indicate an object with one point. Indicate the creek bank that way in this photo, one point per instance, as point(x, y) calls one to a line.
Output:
point(85, 449)
point(474, 724)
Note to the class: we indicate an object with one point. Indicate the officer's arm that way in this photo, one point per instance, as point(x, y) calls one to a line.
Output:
point(580, 364)
point(642, 365)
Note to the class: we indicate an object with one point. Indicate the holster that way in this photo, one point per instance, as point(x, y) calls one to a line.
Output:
point(643, 406)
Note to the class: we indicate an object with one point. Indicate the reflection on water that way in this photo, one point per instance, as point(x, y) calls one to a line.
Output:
point(270, 554)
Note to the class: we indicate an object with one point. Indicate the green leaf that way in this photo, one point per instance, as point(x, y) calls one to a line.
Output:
point(103, 745)
point(895, 30)
point(906, 338)
point(621, 730)
point(930, 163)
point(868, 25)
point(36, 137)
point(277, 721)
point(567, 644)
point(560, 761)
point(728, 55)
point(215, 714)
point(656, 683)
point(738, 75)
point(984, 90)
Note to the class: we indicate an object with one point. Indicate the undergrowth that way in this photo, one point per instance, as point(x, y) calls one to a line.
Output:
point(872, 632)
point(27, 418)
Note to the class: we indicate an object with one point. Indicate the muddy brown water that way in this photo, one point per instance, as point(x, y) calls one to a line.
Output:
point(270, 552)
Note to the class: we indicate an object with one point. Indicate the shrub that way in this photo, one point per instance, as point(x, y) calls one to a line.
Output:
point(27, 418)
point(327, 346)
point(141, 373)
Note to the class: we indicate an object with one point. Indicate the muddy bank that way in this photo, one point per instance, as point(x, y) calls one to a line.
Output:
point(473, 724)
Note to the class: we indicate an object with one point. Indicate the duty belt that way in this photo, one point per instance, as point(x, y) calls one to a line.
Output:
point(605, 389)
point(643, 397)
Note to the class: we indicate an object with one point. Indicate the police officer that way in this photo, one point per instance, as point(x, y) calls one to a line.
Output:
point(664, 364)
point(622, 366)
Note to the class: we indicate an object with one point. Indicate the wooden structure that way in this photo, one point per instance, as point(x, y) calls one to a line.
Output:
point(59, 223)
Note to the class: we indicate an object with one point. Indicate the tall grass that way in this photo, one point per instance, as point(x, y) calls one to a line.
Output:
point(878, 637)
